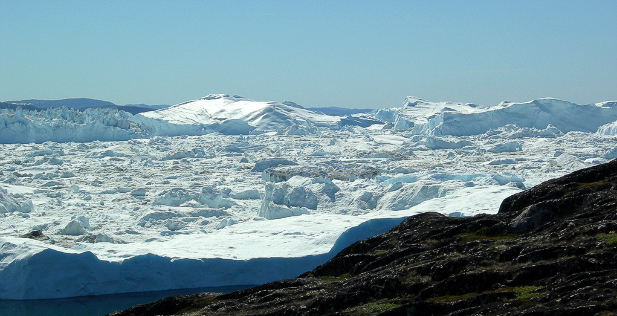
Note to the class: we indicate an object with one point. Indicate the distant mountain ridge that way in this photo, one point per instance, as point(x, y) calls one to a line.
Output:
point(4, 105)
point(79, 104)
point(75, 103)
point(338, 111)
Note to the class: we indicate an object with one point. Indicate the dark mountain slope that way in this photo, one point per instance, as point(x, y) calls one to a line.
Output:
point(333, 110)
point(14, 107)
point(76, 103)
point(551, 250)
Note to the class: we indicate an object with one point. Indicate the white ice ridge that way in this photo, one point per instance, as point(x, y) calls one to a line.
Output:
point(452, 118)
point(246, 253)
point(229, 115)
point(147, 210)
point(235, 115)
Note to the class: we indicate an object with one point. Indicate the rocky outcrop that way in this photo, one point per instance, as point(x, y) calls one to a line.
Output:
point(551, 250)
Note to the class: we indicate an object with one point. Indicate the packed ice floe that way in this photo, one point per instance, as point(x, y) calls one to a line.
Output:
point(228, 191)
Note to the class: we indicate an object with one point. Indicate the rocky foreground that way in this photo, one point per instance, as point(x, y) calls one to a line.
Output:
point(551, 250)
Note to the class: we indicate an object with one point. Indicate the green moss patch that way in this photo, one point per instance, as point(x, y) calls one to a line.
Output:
point(469, 237)
point(611, 238)
point(380, 252)
point(525, 293)
point(373, 308)
point(451, 298)
point(339, 278)
point(584, 185)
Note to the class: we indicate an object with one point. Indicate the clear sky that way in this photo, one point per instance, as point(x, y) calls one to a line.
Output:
point(362, 54)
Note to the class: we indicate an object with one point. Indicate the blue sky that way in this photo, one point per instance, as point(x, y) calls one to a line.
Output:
point(362, 54)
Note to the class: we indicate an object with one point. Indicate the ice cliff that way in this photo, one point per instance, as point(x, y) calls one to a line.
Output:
point(460, 119)
point(228, 115)
point(235, 115)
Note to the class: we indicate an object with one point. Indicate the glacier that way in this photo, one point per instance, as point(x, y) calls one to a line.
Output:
point(228, 191)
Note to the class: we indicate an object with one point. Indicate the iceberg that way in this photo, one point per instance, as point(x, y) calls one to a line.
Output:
point(459, 119)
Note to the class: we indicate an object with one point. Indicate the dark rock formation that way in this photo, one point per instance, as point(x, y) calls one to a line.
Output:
point(551, 250)
point(36, 235)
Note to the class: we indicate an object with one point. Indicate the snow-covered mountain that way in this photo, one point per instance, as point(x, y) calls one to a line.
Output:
point(101, 201)
point(234, 113)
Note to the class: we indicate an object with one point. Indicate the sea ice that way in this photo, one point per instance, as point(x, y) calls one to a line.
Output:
point(171, 200)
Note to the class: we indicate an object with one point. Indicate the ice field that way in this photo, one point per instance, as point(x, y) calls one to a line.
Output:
point(228, 191)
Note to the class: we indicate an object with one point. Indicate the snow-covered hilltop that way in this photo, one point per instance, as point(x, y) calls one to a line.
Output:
point(238, 115)
point(228, 191)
